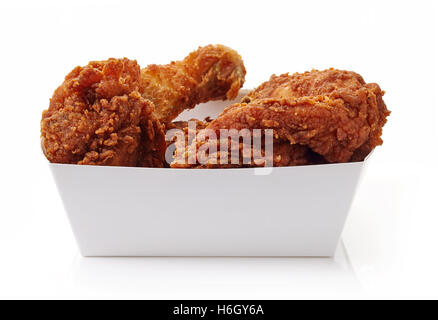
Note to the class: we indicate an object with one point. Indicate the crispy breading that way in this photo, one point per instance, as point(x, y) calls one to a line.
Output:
point(113, 113)
point(334, 84)
point(329, 127)
point(173, 144)
point(284, 153)
point(212, 72)
point(333, 113)
point(98, 117)
point(317, 117)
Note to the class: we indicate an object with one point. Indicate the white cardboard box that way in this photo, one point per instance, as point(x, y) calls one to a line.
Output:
point(286, 211)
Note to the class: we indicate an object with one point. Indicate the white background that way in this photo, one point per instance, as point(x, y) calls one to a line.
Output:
point(391, 236)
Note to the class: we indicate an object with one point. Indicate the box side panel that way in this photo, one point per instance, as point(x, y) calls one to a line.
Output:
point(291, 211)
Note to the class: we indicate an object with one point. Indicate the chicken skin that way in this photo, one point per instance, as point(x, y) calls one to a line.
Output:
point(332, 113)
point(335, 84)
point(284, 153)
point(213, 72)
point(98, 117)
point(113, 113)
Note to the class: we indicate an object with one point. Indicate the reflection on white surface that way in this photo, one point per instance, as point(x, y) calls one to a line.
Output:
point(186, 277)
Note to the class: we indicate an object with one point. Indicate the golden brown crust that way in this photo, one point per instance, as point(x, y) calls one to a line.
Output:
point(287, 154)
point(310, 83)
point(332, 113)
point(335, 84)
point(329, 127)
point(97, 116)
point(188, 135)
point(153, 143)
point(210, 73)
point(284, 153)
point(112, 113)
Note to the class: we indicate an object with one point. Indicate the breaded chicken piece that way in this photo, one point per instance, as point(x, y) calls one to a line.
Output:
point(310, 83)
point(334, 127)
point(173, 144)
point(213, 72)
point(318, 116)
point(98, 117)
point(335, 84)
point(284, 153)
point(113, 113)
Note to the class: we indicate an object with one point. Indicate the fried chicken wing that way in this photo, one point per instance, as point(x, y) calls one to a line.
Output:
point(212, 72)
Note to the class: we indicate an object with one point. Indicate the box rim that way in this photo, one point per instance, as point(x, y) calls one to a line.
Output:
point(215, 169)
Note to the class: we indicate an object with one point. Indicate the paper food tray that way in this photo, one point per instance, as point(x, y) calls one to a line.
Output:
point(283, 211)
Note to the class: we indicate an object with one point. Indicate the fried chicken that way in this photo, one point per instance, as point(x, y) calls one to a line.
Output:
point(335, 84)
point(212, 72)
point(113, 113)
point(98, 117)
point(331, 113)
point(175, 142)
point(284, 153)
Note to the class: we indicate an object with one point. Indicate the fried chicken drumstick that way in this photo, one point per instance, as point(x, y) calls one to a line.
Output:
point(113, 113)
point(209, 73)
